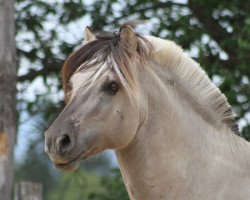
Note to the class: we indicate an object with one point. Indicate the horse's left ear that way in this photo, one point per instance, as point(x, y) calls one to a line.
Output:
point(128, 38)
point(88, 35)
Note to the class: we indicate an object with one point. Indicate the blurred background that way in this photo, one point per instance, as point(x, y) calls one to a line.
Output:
point(215, 33)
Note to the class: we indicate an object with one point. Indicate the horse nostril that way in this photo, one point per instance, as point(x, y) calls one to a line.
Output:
point(65, 141)
point(64, 144)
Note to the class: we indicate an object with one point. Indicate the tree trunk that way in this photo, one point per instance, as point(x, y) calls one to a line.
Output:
point(7, 97)
point(28, 191)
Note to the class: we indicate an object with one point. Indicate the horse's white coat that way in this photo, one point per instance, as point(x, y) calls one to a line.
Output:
point(174, 142)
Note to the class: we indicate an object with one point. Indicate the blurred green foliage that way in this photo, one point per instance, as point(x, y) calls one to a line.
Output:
point(89, 186)
point(215, 33)
point(89, 182)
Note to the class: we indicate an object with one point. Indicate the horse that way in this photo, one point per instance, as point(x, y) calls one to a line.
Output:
point(172, 130)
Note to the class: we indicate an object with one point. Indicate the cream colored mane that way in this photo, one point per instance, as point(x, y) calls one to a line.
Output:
point(194, 83)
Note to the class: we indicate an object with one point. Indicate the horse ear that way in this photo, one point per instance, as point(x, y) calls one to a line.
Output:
point(88, 35)
point(128, 38)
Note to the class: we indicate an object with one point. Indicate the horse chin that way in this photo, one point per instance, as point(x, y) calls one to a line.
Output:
point(74, 164)
point(71, 166)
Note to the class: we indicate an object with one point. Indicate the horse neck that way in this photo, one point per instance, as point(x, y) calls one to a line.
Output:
point(172, 137)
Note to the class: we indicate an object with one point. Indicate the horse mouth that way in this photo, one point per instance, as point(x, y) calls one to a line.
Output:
point(74, 164)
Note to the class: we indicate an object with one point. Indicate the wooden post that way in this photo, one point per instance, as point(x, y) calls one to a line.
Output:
point(28, 191)
point(7, 97)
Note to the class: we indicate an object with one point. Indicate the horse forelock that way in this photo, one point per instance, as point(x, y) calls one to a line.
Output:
point(107, 52)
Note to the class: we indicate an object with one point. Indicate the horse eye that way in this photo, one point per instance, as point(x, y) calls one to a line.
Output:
point(114, 87)
point(111, 88)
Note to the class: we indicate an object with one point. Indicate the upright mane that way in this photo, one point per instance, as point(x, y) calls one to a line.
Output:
point(194, 82)
point(187, 73)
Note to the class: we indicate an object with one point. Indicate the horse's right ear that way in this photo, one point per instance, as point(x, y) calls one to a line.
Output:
point(128, 38)
point(88, 35)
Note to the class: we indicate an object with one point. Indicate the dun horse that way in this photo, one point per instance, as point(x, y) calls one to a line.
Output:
point(172, 130)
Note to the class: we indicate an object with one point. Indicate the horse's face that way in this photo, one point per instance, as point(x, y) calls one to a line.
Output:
point(98, 116)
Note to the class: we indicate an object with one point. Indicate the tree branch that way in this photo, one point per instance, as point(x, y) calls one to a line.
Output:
point(155, 6)
point(210, 24)
point(47, 69)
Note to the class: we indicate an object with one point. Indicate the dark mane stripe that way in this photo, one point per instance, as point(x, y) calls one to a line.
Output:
point(106, 44)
